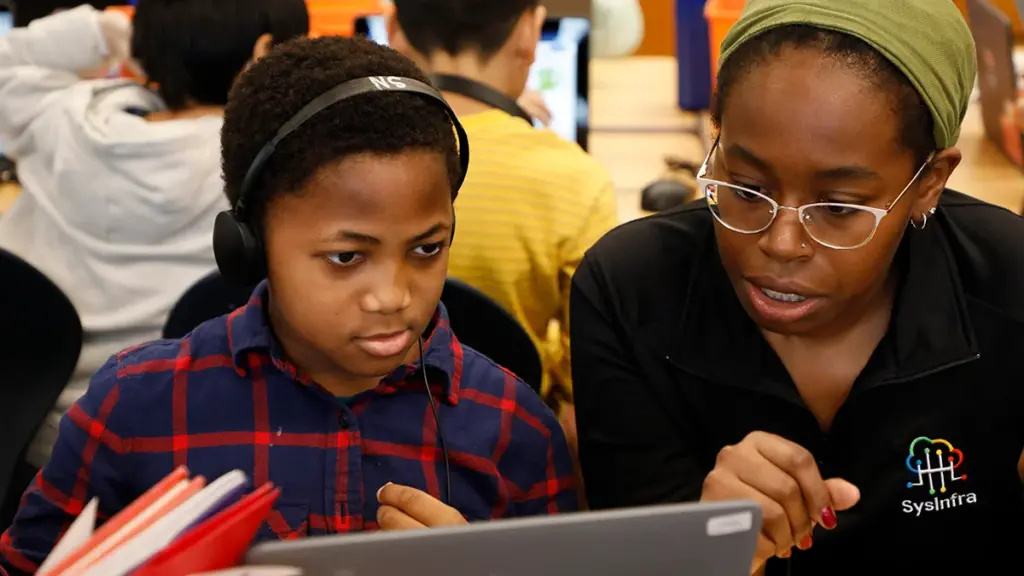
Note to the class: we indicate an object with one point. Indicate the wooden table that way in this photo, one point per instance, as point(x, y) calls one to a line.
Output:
point(635, 123)
point(8, 192)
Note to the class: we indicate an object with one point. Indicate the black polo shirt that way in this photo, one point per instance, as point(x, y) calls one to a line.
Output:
point(668, 369)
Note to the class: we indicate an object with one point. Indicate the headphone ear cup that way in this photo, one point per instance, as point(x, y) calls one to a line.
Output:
point(237, 251)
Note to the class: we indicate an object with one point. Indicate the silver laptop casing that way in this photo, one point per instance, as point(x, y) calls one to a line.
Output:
point(714, 539)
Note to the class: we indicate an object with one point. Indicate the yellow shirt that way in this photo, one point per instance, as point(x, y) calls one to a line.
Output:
point(531, 205)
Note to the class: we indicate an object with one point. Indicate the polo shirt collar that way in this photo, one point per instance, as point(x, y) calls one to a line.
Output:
point(249, 331)
point(929, 331)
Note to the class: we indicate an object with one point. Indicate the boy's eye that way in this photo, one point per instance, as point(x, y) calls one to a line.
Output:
point(428, 250)
point(344, 258)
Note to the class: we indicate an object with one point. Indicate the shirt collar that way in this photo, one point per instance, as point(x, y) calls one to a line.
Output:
point(930, 327)
point(249, 331)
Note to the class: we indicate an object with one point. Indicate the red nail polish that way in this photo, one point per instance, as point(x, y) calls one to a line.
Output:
point(805, 543)
point(828, 518)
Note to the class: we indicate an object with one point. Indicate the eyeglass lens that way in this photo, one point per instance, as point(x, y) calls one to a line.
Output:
point(840, 226)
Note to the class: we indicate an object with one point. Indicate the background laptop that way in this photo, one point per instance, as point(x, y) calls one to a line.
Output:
point(559, 71)
point(6, 19)
point(6, 23)
point(714, 539)
point(997, 79)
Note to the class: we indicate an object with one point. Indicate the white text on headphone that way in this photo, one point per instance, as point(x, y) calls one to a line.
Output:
point(387, 83)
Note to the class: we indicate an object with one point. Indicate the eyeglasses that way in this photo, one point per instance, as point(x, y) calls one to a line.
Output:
point(832, 224)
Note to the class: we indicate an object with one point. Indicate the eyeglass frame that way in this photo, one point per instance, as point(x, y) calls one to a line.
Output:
point(703, 183)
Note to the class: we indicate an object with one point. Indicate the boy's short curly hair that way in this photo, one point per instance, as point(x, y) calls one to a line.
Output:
point(293, 74)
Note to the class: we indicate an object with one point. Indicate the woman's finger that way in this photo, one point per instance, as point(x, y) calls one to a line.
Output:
point(799, 463)
point(755, 470)
point(722, 484)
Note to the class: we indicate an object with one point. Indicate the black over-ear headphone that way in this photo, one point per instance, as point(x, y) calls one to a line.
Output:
point(481, 93)
point(237, 249)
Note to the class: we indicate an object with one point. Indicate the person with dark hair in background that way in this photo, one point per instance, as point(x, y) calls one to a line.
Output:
point(535, 202)
point(829, 332)
point(29, 11)
point(122, 183)
point(343, 361)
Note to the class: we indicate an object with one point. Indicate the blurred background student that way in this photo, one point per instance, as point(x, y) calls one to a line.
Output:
point(30, 11)
point(534, 201)
point(121, 180)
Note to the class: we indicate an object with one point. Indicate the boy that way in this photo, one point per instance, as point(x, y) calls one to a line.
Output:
point(535, 202)
point(315, 385)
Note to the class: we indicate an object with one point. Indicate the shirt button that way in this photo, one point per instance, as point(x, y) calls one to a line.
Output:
point(343, 422)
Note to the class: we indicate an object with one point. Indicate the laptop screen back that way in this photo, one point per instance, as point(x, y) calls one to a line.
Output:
point(559, 71)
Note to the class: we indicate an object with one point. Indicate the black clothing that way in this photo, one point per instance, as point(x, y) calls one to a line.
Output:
point(668, 369)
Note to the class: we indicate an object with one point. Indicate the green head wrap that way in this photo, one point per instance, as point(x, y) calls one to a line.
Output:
point(927, 39)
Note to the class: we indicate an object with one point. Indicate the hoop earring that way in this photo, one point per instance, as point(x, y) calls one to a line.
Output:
point(924, 219)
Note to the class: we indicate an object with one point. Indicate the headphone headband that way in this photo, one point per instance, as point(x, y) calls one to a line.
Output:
point(341, 92)
point(236, 247)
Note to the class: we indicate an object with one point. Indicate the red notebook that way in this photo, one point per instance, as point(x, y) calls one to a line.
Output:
point(121, 520)
point(218, 543)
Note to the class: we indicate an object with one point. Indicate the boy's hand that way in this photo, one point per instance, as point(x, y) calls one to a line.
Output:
point(404, 508)
point(116, 29)
point(533, 104)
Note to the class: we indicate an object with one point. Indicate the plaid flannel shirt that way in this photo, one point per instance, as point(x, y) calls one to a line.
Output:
point(224, 398)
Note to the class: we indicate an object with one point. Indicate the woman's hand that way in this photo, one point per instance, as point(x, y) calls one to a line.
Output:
point(784, 478)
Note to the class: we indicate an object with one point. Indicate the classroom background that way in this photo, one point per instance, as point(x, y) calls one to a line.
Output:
point(646, 88)
point(647, 107)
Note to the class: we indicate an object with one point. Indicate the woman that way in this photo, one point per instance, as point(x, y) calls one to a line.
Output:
point(122, 182)
point(832, 333)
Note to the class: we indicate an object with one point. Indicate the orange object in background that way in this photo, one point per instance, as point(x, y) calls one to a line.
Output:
point(721, 15)
point(128, 11)
point(659, 28)
point(337, 17)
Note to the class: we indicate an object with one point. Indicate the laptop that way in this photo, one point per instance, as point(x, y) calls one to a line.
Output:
point(6, 20)
point(706, 539)
point(997, 79)
point(6, 24)
point(559, 71)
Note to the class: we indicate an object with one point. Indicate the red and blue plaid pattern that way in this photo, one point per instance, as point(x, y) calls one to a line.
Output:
point(223, 398)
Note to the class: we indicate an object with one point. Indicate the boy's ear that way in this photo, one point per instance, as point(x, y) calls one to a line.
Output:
point(262, 46)
point(540, 15)
point(528, 32)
